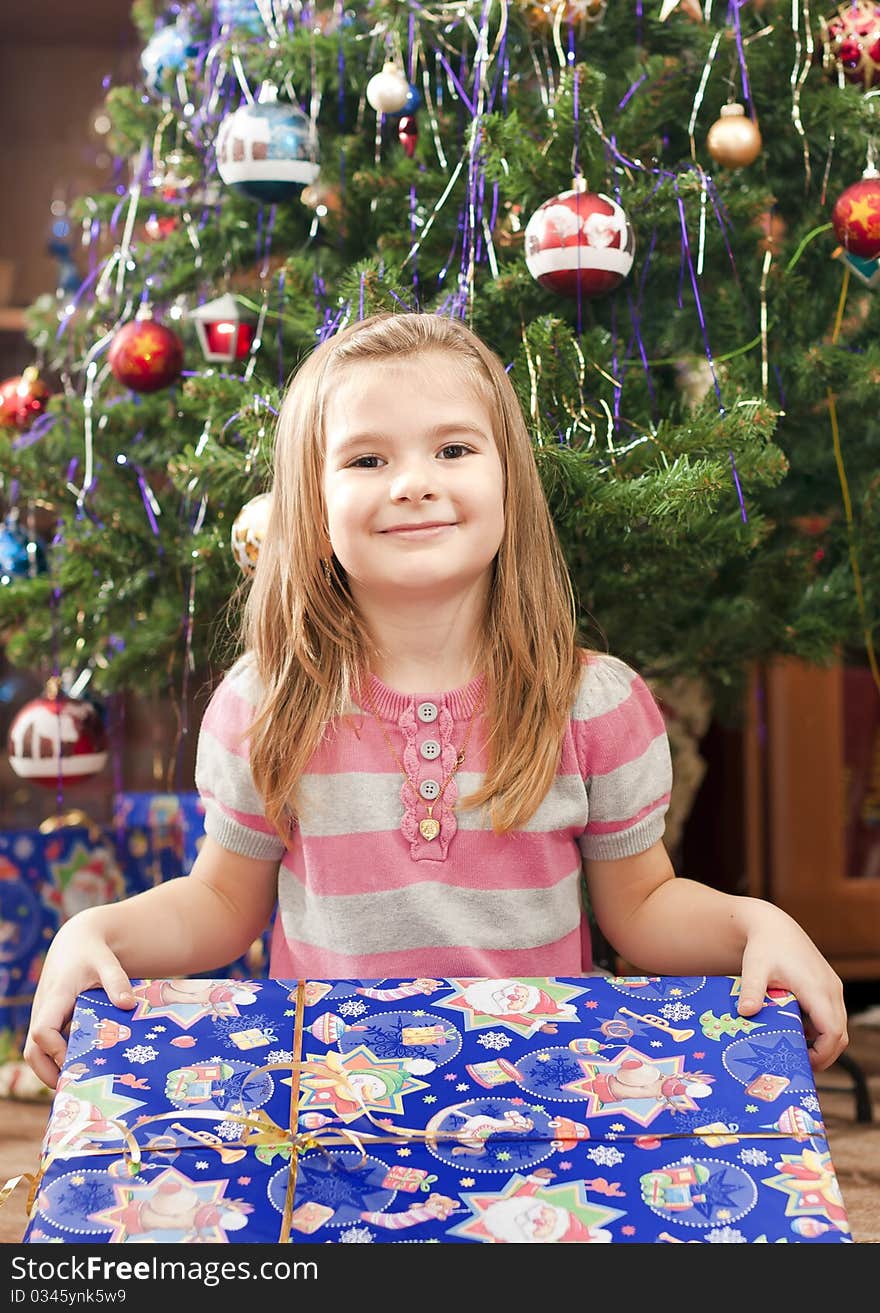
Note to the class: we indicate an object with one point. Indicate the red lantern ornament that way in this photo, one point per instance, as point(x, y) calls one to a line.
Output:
point(145, 355)
point(22, 399)
point(856, 216)
point(852, 42)
point(224, 334)
point(579, 243)
point(57, 737)
point(408, 133)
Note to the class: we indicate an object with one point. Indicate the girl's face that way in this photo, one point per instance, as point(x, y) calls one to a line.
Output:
point(409, 444)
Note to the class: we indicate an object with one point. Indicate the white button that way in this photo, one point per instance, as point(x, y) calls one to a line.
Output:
point(429, 790)
point(430, 749)
point(426, 712)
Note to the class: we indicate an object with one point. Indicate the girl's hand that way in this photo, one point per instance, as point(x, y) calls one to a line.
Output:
point(78, 959)
point(780, 955)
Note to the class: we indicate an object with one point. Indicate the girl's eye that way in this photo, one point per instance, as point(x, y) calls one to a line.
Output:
point(450, 446)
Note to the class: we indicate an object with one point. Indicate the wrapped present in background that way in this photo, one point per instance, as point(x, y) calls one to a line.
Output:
point(590, 1109)
point(48, 874)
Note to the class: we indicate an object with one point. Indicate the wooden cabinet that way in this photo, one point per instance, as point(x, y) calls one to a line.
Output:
point(811, 763)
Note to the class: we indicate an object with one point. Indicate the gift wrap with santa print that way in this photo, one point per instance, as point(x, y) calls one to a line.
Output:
point(464, 1111)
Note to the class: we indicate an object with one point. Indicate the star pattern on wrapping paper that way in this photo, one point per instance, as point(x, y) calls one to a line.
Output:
point(808, 1179)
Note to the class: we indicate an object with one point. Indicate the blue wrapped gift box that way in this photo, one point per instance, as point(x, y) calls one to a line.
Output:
point(47, 876)
point(586, 1109)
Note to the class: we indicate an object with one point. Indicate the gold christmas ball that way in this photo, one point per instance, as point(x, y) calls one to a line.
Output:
point(249, 530)
point(733, 141)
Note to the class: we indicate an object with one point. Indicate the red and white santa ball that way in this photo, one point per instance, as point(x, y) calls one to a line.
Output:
point(54, 738)
point(579, 243)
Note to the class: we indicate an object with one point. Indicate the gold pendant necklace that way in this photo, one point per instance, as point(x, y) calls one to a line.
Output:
point(429, 827)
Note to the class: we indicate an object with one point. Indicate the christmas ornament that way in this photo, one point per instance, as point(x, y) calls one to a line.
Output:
point(579, 243)
point(158, 226)
point(22, 398)
point(266, 149)
point(223, 332)
point(733, 140)
point(581, 15)
point(167, 51)
point(408, 133)
point(868, 271)
point(249, 530)
point(411, 104)
point(851, 43)
point(856, 216)
point(22, 555)
point(388, 90)
point(57, 737)
point(322, 197)
point(240, 13)
point(773, 229)
point(145, 355)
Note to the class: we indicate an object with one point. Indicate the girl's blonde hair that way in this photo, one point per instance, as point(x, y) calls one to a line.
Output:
point(311, 645)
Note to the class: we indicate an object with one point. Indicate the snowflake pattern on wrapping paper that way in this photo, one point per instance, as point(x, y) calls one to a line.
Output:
point(227, 1130)
point(810, 1103)
point(676, 1011)
point(725, 1235)
point(754, 1157)
point(140, 1053)
point(493, 1039)
point(352, 1008)
point(605, 1156)
point(356, 1235)
point(280, 1055)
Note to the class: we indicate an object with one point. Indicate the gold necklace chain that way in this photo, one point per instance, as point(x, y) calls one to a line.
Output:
point(429, 828)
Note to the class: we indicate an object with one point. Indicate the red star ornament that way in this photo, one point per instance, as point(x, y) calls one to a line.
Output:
point(145, 355)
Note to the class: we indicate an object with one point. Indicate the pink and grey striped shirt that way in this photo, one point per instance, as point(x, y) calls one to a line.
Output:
point(362, 895)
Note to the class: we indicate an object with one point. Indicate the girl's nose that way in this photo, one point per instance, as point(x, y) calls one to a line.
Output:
point(413, 480)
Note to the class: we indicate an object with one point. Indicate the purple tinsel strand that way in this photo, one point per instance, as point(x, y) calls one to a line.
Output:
point(142, 484)
point(457, 84)
point(686, 246)
point(494, 213)
point(361, 299)
point(733, 15)
point(37, 430)
point(281, 328)
point(621, 104)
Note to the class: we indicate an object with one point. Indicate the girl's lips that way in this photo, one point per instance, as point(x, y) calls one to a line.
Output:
point(432, 532)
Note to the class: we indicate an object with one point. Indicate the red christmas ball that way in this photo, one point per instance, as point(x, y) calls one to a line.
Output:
point(579, 243)
point(408, 133)
point(145, 355)
point(856, 217)
point(22, 399)
point(54, 738)
point(158, 226)
point(852, 42)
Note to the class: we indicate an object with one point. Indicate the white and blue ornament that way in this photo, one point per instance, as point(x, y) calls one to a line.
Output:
point(388, 91)
point(410, 105)
point(167, 51)
point(22, 555)
point(266, 150)
point(240, 13)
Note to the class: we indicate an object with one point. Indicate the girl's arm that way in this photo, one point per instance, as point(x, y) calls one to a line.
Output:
point(196, 923)
point(667, 925)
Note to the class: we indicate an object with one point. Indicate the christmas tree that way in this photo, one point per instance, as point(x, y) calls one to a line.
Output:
point(664, 217)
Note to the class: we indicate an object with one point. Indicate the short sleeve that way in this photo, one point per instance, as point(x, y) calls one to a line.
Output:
point(623, 753)
point(234, 813)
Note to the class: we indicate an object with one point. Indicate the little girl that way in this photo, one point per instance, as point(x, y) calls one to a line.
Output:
point(414, 759)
